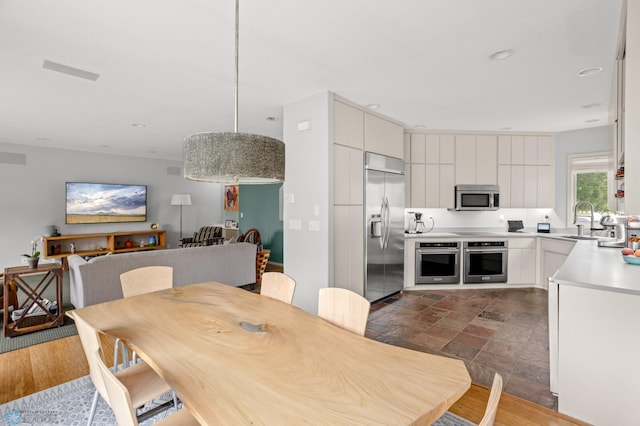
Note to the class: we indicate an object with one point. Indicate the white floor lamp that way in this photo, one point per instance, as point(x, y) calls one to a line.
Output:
point(181, 200)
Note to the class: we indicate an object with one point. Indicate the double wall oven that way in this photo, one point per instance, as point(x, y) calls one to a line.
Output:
point(473, 261)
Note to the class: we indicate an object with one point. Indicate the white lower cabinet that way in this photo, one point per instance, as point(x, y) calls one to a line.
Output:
point(553, 253)
point(521, 261)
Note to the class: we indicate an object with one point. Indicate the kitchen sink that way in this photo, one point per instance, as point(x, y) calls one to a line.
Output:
point(579, 237)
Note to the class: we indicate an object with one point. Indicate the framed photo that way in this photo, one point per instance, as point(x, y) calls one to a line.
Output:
point(230, 224)
point(231, 198)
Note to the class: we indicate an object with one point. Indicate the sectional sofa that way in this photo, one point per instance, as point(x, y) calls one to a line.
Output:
point(98, 279)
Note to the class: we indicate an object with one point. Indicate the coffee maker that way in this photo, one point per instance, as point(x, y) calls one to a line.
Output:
point(416, 225)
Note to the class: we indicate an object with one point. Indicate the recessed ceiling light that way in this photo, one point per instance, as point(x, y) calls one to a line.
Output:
point(501, 54)
point(592, 120)
point(373, 106)
point(272, 118)
point(43, 139)
point(589, 71)
point(420, 126)
point(153, 151)
point(140, 125)
point(594, 105)
point(506, 128)
point(104, 146)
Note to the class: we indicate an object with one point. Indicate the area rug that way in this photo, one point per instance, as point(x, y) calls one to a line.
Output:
point(68, 328)
point(69, 404)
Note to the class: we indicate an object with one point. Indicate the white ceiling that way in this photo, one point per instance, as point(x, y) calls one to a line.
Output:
point(169, 65)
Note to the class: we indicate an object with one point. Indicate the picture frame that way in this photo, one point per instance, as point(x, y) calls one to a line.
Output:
point(230, 224)
point(231, 198)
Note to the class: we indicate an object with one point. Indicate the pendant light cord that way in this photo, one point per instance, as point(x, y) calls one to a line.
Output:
point(235, 86)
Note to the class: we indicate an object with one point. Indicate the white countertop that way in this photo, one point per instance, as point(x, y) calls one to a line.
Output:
point(601, 268)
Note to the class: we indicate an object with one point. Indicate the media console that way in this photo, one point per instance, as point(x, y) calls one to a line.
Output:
point(60, 247)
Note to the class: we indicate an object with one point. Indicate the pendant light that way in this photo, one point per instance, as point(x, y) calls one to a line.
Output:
point(233, 157)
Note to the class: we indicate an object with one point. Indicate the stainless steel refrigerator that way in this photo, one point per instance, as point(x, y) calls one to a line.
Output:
point(384, 221)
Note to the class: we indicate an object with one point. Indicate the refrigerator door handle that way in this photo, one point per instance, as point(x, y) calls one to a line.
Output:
point(387, 223)
point(383, 223)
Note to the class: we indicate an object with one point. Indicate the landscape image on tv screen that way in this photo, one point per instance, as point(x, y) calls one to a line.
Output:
point(105, 203)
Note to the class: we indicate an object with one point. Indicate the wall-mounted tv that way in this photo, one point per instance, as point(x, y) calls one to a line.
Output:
point(105, 203)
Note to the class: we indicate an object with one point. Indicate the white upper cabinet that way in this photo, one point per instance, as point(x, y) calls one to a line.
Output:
point(418, 148)
point(476, 159)
point(348, 125)
point(486, 167)
point(523, 167)
point(528, 179)
point(432, 172)
point(383, 136)
point(465, 159)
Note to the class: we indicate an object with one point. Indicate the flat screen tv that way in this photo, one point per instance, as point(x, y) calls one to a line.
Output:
point(105, 203)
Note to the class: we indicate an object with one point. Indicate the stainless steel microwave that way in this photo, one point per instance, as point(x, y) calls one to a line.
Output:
point(477, 197)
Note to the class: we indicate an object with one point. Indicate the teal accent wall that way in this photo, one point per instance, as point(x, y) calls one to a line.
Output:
point(260, 208)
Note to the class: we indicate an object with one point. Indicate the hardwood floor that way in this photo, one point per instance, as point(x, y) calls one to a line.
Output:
point(39, 367)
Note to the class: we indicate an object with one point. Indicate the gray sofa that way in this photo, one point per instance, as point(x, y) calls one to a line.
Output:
point(98, 280)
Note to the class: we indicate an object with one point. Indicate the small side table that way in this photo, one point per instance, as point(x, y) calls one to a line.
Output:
point(51, 274)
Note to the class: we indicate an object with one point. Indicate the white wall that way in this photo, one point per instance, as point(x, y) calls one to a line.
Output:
point(306, 253)
point(33, 195)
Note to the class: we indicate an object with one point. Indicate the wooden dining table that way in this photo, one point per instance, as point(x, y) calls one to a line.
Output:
point(235, 357)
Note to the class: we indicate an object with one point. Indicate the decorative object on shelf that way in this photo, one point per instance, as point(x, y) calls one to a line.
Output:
point(53, 231)
point(34, 257)
point(181, 200)
point(152, 240)
point(72, 248)
point(234, 157)
point(128, 244)
point(231, 198)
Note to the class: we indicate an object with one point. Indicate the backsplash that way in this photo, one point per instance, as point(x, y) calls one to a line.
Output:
point(496, 220)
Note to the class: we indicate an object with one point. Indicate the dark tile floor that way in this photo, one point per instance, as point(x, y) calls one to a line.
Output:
point(504, 331)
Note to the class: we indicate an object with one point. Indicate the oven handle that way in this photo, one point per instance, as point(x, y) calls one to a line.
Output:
point(486, 250)
point(437, 251)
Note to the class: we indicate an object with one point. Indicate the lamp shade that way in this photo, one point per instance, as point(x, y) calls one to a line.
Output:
point(181, 200)
point(233, 157)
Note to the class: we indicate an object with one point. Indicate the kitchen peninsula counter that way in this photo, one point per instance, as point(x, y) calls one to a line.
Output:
point(594, 318)
point(600, 268)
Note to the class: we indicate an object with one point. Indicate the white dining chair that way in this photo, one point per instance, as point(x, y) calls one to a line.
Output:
point(278, 285)
point(143, 383)
point(123, 405)
point(146, 279)
point(492, 404)
point(344, 308)
point(139, 281)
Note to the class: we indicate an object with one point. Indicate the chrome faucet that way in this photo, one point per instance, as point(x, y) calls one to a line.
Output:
point(575, 218)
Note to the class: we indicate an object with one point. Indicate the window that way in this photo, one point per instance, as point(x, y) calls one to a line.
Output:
point(590, 179)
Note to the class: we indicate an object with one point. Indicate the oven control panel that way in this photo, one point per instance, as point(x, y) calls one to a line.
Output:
point(485, 244)
point(438, 245)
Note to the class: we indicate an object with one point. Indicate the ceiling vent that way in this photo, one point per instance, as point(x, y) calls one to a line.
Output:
point(65, 69)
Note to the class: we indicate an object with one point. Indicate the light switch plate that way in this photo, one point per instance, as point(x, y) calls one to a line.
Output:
point(295, 224)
